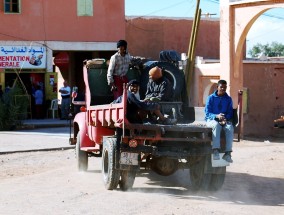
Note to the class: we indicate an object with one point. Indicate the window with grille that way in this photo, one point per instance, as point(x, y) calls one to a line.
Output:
point(12, 6)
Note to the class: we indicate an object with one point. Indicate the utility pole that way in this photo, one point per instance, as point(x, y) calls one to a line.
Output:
point(191, 49)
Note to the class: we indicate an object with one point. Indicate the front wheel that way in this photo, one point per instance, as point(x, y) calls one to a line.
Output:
point(127, 179)
point(109, 156)
point(82, 156)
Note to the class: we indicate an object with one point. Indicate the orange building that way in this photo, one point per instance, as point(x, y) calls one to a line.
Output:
point(33, 33)
point(148, 36)
point(37, 35)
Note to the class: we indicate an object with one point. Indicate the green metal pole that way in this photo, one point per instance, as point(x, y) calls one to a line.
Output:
point(192, 54)
point(191, 50)
point(191, 41)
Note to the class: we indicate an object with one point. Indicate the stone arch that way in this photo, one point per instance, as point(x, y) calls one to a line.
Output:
point(236, 19)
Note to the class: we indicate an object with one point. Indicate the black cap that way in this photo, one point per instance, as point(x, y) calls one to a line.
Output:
point(134, 81)
point(122, 43)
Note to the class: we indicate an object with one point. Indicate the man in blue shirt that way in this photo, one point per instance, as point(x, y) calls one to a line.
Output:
point(219, 115)
point(65, 100)
point(38, 95)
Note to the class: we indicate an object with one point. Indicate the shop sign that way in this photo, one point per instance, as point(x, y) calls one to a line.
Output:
point(25, 57)
point(62, 61)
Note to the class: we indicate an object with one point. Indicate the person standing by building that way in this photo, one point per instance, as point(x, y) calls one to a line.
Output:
point(118, 68)
point(219, 116)
point(9, 87)
point(38, 95)
point(65, 100)
point(1, 92)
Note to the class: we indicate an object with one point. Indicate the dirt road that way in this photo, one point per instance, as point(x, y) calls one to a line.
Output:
point(48, 183)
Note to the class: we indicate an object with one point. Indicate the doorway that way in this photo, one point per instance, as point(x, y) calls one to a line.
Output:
point(30, 82)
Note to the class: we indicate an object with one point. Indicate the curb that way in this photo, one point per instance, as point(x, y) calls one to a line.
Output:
point(35, 126)
point(37, 150)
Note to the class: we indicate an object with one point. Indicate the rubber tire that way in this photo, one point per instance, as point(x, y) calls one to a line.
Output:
point(200, 180)
point(82, 156)
point(109, 156)
point(196, 174)
point(171, 72)
point(217, 181)
point(164, 166)
point(127, 179)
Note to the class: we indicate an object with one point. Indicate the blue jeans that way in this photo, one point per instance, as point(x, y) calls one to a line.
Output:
point(216, 133)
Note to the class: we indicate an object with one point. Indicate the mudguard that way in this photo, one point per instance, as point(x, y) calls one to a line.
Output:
point(80, 124)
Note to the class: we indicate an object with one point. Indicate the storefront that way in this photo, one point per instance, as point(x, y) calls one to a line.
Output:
point(48, 64)
point(26, 66)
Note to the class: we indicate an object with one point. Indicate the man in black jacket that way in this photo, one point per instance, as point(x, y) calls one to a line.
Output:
point(159, 87)
point(136, 108)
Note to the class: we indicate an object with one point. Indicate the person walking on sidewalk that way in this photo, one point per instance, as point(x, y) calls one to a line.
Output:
point(219, 115)
point(65, 100)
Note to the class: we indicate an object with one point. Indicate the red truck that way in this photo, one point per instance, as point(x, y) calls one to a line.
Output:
point(102, 130)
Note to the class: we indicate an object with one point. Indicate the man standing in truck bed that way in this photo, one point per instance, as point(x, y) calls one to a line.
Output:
point(118, 68)
point(219, 115)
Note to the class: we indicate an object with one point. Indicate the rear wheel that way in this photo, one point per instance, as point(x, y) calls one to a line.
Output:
point(109, 156)
point(199, 179)
point(217, 181)
point(197, 173)
point(82, 156)
point(127, 179)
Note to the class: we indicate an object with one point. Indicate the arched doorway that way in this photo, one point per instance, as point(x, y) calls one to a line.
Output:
point(209, 89)
point(236, 19)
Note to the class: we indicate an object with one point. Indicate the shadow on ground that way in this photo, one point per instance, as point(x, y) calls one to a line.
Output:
point(239, 188)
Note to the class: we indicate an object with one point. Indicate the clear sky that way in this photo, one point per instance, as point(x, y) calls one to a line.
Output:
point(268, 27)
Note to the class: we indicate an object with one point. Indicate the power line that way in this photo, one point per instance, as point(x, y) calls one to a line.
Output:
point(276, 29)
point(264, 14)
point(214, 1)
point(143, 29)
point(24, 39)
point(273, 16)
point(165, 8)
point(43, 20)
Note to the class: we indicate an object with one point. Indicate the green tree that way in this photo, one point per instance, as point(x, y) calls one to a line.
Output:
point(273, 49)
point(13, 108)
